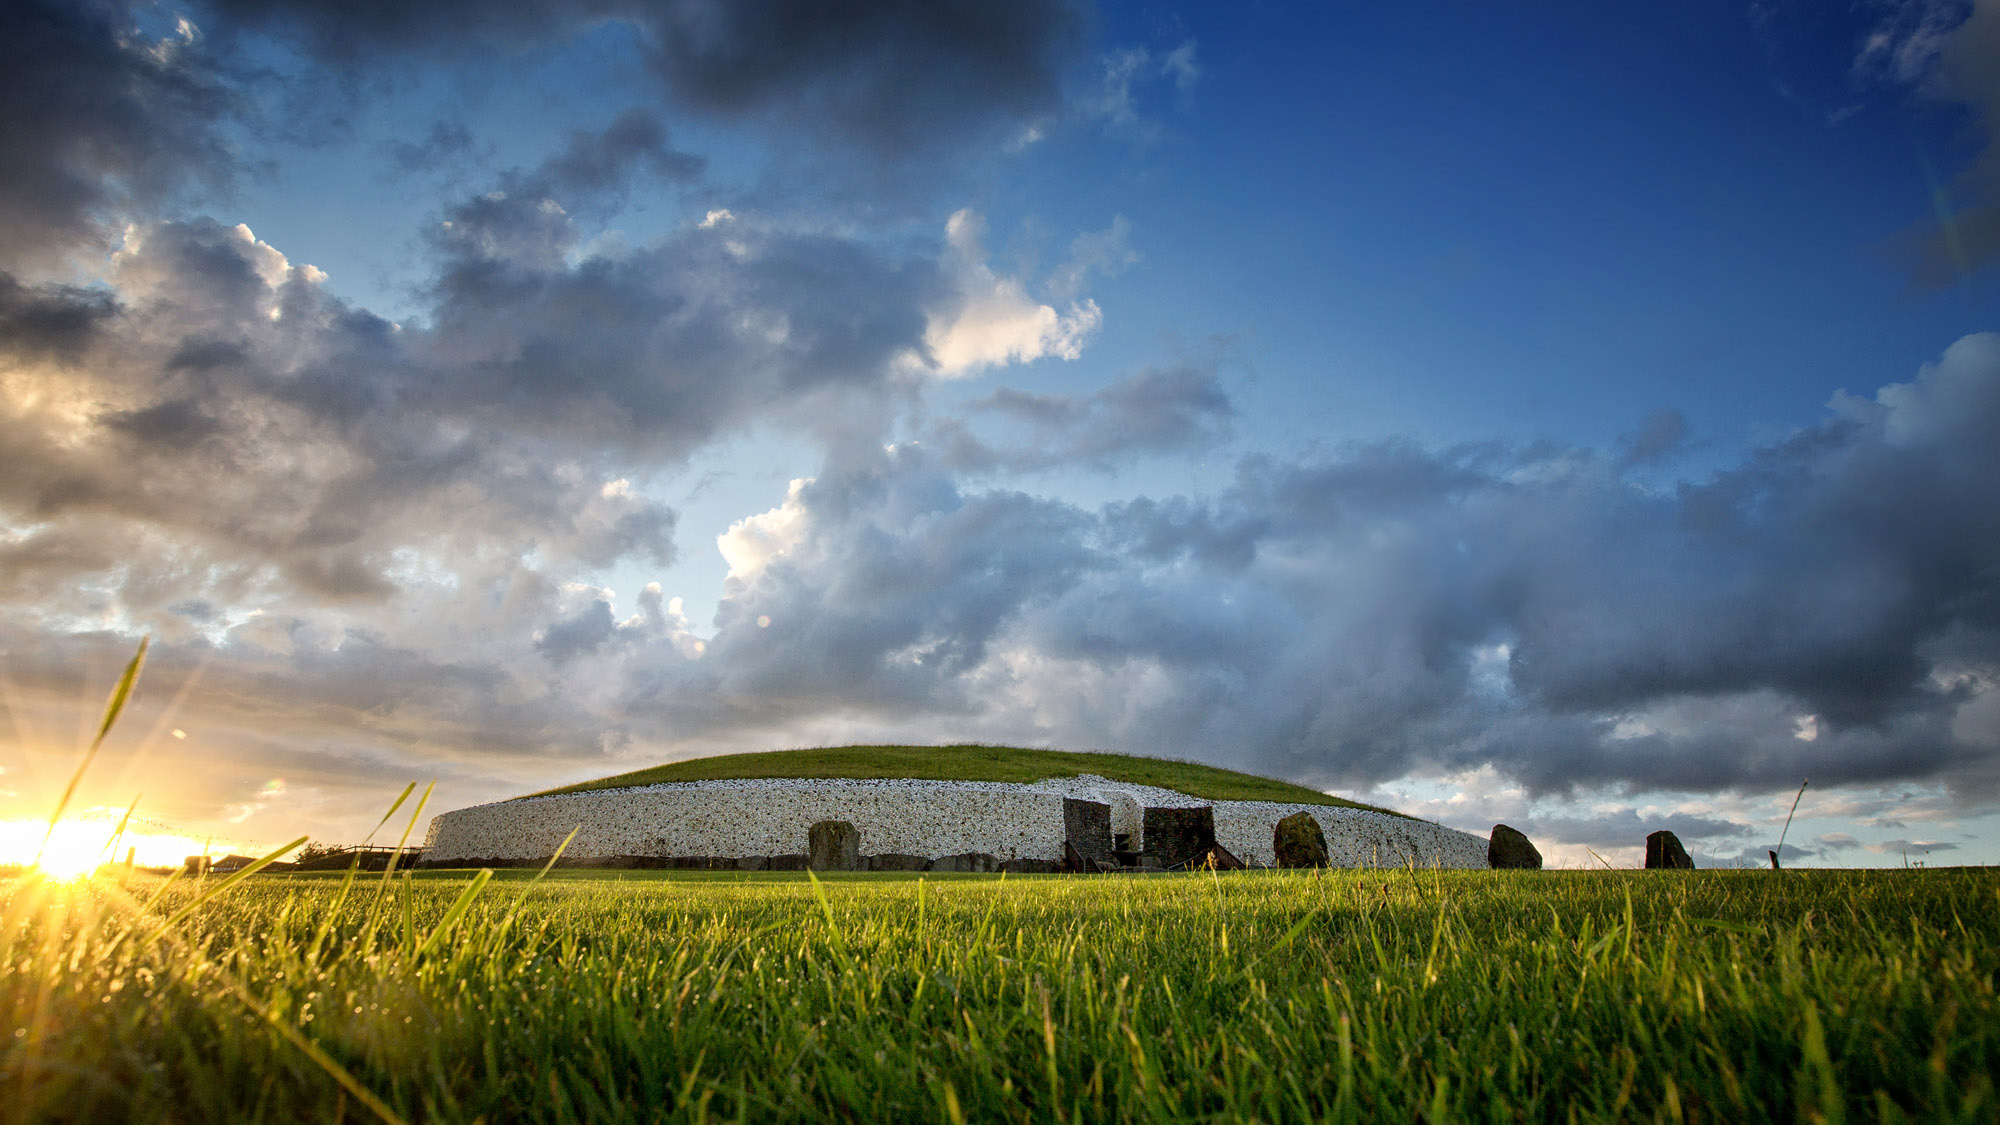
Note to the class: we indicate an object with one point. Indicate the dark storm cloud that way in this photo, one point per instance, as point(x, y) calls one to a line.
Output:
point(98, 119)
point(657, 349)
point(334, 491)
point(224, 398)
point(1831, 607)
point(277, 435)
point(1826, 608)
point(50, 321)
point(894, 77)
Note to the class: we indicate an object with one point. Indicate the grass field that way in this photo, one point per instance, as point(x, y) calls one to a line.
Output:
point(973, 763)
point(1344, 996)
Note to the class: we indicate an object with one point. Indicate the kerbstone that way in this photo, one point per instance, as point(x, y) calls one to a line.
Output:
point(1510, 849)
point(966, 861)
point(1297, 841)
point(834, 845)
point(893, 861)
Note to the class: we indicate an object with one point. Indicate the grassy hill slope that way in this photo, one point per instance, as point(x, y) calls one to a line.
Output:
point(972, 763)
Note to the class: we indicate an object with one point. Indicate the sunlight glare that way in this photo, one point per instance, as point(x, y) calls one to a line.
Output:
point(81, 843)
point(74, 849)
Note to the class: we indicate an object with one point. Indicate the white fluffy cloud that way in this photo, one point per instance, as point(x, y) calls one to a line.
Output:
point(990, 320)
point(753, 541)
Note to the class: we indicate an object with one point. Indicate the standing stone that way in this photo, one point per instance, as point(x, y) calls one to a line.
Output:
point(1087, 828)
point(1509, 848)
point(1664, 852)
point(1299, 842)
point(833, 845)
point(1173, 837)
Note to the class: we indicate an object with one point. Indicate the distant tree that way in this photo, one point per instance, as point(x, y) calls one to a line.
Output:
point(316, 850)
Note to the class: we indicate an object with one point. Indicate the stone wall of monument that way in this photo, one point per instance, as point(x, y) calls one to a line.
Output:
point(931, 819)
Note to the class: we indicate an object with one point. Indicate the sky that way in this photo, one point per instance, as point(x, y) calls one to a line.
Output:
point(1580, 416)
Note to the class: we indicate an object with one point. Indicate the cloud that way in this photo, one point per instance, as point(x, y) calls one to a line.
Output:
point(991, 320)
point(101, 121)
point(213, 411)
point(1108, 252)
point(600, 162)
point(657, 349)
point(447, 144)
point(50, 321)
point(1660, 436)
point(894, 78)
point(1114, 99)
point(234, 432)
point(1949, 52)
point(1155, 411)
point(1527, 615)
point(1908, 847)
point(1391, 610)
point(1630, 827)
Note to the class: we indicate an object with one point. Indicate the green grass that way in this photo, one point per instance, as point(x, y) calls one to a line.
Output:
point(973, 763)
point(1344, 996)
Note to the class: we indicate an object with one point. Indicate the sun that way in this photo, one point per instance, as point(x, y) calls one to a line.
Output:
point(74, 850)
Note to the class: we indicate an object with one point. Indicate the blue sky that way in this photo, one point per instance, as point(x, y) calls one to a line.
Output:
point(1578, 415)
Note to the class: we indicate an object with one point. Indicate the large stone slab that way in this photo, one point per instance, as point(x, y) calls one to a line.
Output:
point(893, 861)
point(1664, 853)
point(1174, 836)
point(1298, 841)
point(966, 861)
point(1510, 849)
point(1087, 828)
point(833, 845)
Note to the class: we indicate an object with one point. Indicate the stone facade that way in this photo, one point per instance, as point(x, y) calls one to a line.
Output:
point(1022, 827)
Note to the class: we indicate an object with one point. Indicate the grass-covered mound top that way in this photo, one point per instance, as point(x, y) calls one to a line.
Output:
point(972, 763)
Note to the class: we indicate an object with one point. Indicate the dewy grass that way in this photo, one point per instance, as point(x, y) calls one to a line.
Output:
point(1720, 996)
point(1344, 996)
point(973, 762)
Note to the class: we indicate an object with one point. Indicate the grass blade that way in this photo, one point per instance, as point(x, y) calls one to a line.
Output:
point(458, 908)
point(119, 695)
point(248, 870)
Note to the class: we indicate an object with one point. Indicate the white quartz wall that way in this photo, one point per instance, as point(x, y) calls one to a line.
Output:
point(763, 817)
point(752, 818)
point(1354, 837)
